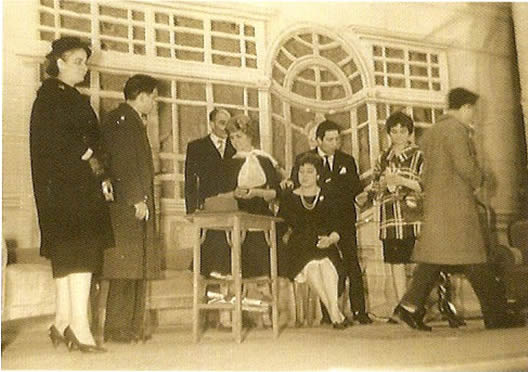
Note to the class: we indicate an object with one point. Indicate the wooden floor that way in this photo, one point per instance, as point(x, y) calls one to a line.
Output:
point(375, 347)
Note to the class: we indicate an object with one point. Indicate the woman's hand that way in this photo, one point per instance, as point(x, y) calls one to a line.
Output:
point(394, 179)
point(325, 241)
point(142, 212)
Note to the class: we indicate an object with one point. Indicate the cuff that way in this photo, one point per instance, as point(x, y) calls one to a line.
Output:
point(87, 154)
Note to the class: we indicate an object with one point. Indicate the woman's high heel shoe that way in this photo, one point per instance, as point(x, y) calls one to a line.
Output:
point(55, 336)
point(73, 343)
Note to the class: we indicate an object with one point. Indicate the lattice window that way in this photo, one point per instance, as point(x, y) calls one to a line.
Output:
point(424, 117)
point(406, 67)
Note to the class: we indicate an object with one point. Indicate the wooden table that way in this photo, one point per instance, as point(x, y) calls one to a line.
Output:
point(236, 224)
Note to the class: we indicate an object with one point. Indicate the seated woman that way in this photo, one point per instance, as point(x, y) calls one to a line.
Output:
point(313, 255)
point(254, 181)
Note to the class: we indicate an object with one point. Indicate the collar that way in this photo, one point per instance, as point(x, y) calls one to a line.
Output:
point(216, 139)
point(130, 110)
point(405, 154)
point(323, 154)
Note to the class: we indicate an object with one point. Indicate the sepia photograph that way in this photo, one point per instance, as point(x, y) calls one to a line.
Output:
point(264, 185)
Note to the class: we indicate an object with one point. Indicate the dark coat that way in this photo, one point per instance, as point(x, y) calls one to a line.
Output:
point(205, 171)
point(451, 233)
point(130, 159)
point(342, 184)
point(73, 217)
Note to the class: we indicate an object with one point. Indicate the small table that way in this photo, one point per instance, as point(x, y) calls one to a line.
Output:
point(237, 223)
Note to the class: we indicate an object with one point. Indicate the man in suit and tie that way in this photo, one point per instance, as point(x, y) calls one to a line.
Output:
point(340, 176)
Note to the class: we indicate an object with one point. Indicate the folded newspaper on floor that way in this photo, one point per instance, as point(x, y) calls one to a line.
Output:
point(248, 304)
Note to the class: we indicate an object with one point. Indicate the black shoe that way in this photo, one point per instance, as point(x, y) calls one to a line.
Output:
point(362, 318)
point(340, 326)
point(411, 319)
point(55, 336)
point(73, 343)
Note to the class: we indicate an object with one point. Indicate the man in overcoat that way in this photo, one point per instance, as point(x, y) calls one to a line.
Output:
point(136, 257)
point(340, 176)
point(452, 236)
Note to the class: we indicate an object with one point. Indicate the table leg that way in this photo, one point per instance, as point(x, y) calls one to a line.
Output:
point(274, 280)
point(237, 276)
point(196, 283)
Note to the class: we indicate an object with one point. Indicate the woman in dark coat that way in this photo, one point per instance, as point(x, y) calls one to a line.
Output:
point(67, 171)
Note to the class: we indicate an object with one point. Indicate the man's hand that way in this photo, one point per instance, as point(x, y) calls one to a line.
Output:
point(286, 184)
point(108, 190)
point(362, 198)
point(96, 166)
point(142, 212)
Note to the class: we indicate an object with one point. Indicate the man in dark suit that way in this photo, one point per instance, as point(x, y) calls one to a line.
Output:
point(340, 176)
point(136, 257)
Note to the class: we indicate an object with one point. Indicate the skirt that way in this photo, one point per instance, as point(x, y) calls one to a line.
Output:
point(398, 251)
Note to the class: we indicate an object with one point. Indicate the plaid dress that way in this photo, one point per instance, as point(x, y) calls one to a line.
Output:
point(397, 220)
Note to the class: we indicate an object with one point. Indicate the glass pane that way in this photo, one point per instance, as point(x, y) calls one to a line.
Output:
point(226, 60)
point(323, 39)
point(223, 26)
point(304, 90)
point(164, 88)
point(47, 19)
point(435, 72)
point(299, 142)
point(437, 114)
point(418, 135)
point(190, 90)
point(114, 29)
point(357, 84)
point(163, 36)
point(334, 54)
point(48, 3)
point(251, 48)
point(394, 53)
point(251, 62)
point(394, 108)
point(332, 93)
point(112, 82)
point(163, 52)
point(188, 39)
point(306, 37)
point(279, 141)
point(192, 124)
point(417, 56)
point(362, 114)
point(138, 16)
point(378, 66)
point(297, 49)
point(276, 105)
point(188, 22)
point(327, 76)
point(349, 68)
point(300, 117)
point(162, 18)
point(139, 49)
point(418, 70)
point(139, 33)
point(434, 58)
point(383, 137)
point(249, 30)
point(277, 75)
point(346, 143)
point(74, 6)
point(395, 68)
point(283, 60)
point(380, 80)
point(437, 86)
point(228, 94)
point(78, 24)
point(255, 116)
point(364, 149)
point(308, 74)
point(341, 118)
point(422, 114)
point(165, 126)
point(381, 111)
point(48, 36)
point(419, 84)
point(377, 50)
point(107, 105)
point(252, 95)
point(396, 82)
point(114, 45)
point(189, 56)
point(225, 44)
point(113, 12)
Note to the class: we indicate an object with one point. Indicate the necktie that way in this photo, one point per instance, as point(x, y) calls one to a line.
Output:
point(221, 147)
point(327, 163)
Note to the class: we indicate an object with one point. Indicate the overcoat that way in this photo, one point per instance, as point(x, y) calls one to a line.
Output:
point(72, 214)
point(137, 252)
point(452, 233)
